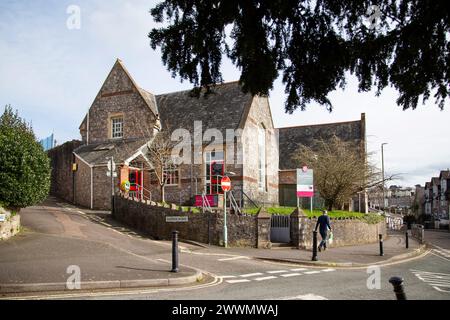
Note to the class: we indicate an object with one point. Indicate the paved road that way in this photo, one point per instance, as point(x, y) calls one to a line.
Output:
point(239, 277)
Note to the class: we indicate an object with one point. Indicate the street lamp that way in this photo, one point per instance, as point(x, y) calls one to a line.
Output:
point(382, 174)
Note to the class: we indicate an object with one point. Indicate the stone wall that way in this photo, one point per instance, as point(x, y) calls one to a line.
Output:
point(10, 227)
point(83, 184)
point(61, 159)
point(346, 232)
point(147, 217)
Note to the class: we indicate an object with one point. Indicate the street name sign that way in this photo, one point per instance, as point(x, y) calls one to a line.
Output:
point(305, 183)
point(177, 219)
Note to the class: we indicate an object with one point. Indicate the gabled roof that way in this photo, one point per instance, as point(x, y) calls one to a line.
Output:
point(98, 153)
point(291, 138)
point(148, 97)
point(222, 109)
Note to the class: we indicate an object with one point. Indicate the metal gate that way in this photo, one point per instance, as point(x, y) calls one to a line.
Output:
point(280, 229)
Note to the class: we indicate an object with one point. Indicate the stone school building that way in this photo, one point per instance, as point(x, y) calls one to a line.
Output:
point(124, 119)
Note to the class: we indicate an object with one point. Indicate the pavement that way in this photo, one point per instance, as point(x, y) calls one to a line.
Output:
point(119, 263)
point(58, 241)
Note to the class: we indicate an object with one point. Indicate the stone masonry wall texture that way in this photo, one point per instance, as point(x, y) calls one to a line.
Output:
point(243, 231)
point(10, 227)
point(62, 175)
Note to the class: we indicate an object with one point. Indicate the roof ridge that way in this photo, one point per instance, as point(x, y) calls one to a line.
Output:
point(319, 124)
point(189, 90)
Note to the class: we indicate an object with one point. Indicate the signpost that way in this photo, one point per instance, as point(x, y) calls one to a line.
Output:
point(226, 187)
point(113, 174)
point(305, 185)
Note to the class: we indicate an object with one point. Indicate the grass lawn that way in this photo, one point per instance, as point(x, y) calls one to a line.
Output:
point(369, 218)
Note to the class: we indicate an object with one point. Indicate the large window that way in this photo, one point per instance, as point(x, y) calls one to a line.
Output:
point(262, 158)
point(117, 127)
point(172, 176)
point(215, 169)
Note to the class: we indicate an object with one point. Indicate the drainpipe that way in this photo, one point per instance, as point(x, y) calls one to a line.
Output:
point(92, 188)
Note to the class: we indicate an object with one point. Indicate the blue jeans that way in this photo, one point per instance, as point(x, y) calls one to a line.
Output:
point(324, 235)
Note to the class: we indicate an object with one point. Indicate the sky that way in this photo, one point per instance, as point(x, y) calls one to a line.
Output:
point(51, 75)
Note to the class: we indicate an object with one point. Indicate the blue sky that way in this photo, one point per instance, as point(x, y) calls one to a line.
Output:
point(52, 74)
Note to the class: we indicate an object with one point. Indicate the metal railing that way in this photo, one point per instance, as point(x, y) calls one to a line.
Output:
point(140, 192)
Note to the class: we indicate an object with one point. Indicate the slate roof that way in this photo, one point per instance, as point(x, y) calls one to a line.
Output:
point(223, 109)
point(121, 150)
point(292, 138)
point(150, 100)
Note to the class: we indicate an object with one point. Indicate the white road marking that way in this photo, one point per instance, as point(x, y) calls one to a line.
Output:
point(309, 296)
point(435, 279)
point(291, 275)
point(237, 281)
point(328, 270)
point(276, 271)
point(265, 278)
point(299, 269)
point(312, 272)
point(251, 275)
point(233, 258)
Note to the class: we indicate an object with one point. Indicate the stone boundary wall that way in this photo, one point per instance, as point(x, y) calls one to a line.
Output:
point(10, 227)
point(149, 218)
point(346, 232)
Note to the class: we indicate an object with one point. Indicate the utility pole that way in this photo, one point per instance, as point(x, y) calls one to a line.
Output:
point(382, 173)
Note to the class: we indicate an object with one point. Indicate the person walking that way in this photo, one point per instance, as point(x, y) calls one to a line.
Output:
point(324, 223)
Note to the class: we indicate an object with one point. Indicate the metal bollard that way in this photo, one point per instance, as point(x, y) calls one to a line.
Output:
point(407, 240)
point(314, 257)
point(175, 252)
point(399, 290)
point(381, 245)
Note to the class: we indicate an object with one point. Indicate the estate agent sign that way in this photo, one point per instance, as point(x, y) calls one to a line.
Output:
point(305, 183)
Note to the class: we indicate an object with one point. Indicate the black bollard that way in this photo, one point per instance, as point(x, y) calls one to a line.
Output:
point(397, 282)
point(314, 257)
point(407, 239)
point(381, 245)
point(175, 252)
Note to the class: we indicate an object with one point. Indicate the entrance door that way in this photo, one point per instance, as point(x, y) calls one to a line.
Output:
point(135, 178)
point(215, 169)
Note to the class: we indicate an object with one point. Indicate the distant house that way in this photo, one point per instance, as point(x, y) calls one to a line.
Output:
point(444, 196)
point(124, 119)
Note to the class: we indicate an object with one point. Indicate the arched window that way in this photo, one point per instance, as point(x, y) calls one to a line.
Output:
point(262, 158)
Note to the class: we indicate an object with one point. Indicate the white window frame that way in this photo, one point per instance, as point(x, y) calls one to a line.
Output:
point(170, 182)
point(117, 127)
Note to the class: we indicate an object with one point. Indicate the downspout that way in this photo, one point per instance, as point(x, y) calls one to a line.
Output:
point(92, 188)
point(87, 131)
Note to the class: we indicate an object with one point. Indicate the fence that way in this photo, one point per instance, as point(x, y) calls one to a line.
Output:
point(394, 223)
point(418, 232)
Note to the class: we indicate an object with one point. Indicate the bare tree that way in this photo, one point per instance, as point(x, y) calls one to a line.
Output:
point(341, 169)
point(160, 155)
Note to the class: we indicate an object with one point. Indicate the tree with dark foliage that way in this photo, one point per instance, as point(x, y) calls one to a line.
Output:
point(399, 43)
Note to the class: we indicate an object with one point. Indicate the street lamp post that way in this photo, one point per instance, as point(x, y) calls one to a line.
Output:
point(382, 173)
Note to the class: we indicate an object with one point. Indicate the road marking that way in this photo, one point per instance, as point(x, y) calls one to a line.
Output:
point(251, 275)
point(308, 296)
point(291, 275)
point(233, 258)
point(435, 279)
point(265, 278)
point(329, 270)
point(299, 269)
point(312, 272)
point(237, 281)
point(276, 271)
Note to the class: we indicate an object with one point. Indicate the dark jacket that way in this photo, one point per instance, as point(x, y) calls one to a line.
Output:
point(324, 223)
